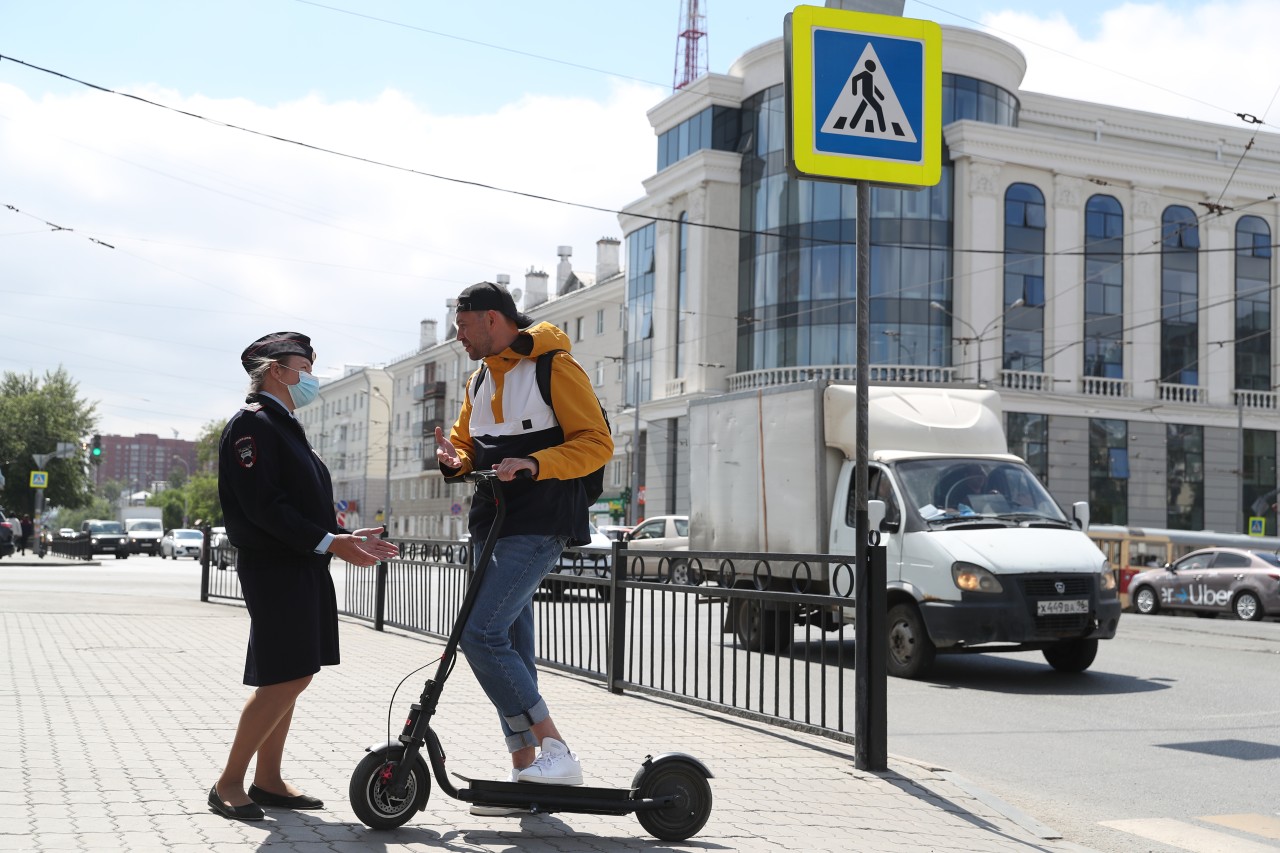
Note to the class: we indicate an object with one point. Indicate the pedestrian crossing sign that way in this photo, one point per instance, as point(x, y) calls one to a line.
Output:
point(1257, 526)
point(864, 97)
point(39, 479)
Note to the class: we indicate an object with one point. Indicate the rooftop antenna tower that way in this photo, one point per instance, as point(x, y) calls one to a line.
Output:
point(691, 60)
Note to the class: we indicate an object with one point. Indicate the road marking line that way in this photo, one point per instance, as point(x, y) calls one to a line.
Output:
point(1187, 836)
point(1267, 826)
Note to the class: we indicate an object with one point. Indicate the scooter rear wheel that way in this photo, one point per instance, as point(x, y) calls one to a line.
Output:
point(370, 794)
point(692, 805)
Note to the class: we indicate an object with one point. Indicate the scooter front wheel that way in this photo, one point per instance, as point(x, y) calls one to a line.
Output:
point(691, 805)
point(370, 791)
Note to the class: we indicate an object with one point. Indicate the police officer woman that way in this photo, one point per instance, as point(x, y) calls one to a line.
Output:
point(277, 501)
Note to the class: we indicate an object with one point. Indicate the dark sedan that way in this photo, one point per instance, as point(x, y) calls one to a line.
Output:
point(1212, 581)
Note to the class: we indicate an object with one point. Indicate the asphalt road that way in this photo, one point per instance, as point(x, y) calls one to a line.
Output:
point(1177, 719)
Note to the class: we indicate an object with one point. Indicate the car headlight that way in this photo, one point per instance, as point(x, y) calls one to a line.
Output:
point(1108, 578)
point(971, 578)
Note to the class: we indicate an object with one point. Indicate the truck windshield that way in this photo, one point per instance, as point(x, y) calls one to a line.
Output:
point(951, 488)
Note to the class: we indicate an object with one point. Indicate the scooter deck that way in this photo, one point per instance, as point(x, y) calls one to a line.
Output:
point(542, 798)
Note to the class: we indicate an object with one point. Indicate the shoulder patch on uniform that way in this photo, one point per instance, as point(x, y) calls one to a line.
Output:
point(246, 451)
point(252, 407)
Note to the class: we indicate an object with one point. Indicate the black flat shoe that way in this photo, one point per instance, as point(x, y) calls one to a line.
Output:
point(283, 801)
point(249, 811)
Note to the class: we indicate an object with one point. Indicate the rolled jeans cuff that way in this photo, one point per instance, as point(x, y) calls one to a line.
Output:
point(521, 723)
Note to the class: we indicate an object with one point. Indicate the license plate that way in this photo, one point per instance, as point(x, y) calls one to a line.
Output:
point(1053, 608)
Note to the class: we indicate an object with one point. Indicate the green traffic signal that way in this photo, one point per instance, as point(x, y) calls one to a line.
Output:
point(95, 450)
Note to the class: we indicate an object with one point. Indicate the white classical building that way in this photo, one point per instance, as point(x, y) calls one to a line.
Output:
point(1109, 271)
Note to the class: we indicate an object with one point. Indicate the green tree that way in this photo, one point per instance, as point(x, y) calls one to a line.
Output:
point(197, 499)
point(207, 445)
point(35, 414)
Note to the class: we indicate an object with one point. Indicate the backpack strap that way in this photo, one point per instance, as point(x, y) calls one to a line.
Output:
point(542, 371)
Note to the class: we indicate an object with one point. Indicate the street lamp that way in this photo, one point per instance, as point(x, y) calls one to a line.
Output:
point(186, 498)
point(375, 391)
point(978, 337)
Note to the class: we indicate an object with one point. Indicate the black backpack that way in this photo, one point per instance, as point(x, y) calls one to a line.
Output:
point(593, 483)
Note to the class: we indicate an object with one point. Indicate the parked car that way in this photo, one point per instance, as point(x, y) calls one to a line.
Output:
point(181, 542)
point(1212, 581)
point(144, 535)
point(105, 537)
point(664, 533)
point(616, 532)
point(223, 554)
point(591, 560)
point(9, 533)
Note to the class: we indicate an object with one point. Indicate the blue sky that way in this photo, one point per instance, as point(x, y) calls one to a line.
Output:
point(220, 236)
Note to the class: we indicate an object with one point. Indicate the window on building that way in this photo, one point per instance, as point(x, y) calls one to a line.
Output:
point(599, 380)
point(577, 329)
point(682, 289)
point(600, 321)
point(1253, 304)
point(1024, 227)
point(1029, 438)
point(1184, 477)
point(1104, 287)
point(638, 352)
point(1180, 296)
point(1259, 475)
point(1109, 471)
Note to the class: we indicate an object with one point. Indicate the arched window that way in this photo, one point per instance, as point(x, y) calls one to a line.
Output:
point(1179, 296)
point(1024, 225)
point(1253, 304)
point(1104, 287)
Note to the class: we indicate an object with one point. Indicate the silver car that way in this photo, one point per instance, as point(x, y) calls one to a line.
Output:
point(1212, 581)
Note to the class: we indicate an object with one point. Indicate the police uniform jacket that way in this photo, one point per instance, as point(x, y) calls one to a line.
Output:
point(277, 503)
point(507, 417)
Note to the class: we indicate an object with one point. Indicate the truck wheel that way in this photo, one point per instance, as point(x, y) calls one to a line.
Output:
point(1071, 655)
point(760, 629)
point(1145, 601)
point(910, 652)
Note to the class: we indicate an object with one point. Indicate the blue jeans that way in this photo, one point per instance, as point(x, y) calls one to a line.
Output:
point(498, 637)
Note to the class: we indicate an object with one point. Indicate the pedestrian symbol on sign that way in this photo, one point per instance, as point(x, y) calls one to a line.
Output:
point(869, 86)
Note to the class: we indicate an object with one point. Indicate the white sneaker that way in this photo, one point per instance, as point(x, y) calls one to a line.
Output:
point(500, 811)
point(555, 765)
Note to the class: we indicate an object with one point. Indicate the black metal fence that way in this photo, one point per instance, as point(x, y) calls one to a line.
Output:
point(731, 643)
point(79, 548)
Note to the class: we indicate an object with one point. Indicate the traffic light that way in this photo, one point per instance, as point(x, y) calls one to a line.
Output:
point(95, 450)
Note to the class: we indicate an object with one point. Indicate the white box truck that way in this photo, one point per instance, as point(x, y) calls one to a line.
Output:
point(979, 556)
point(144, 525)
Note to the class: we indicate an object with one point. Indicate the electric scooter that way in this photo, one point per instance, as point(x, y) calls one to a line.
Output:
point(669, 794)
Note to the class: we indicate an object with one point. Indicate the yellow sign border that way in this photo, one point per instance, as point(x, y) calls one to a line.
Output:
point(811, 163)
point(43, 475)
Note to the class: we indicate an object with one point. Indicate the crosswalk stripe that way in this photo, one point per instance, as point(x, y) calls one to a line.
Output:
point(1186, 836)
point(1268, 826)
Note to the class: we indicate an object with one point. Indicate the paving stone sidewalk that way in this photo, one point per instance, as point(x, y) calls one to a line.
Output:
point(117, 712)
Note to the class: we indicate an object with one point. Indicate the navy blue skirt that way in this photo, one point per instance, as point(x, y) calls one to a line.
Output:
point(293, 616)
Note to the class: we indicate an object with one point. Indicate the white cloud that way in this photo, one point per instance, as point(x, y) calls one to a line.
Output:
point(223, 236)
point(1206, 61)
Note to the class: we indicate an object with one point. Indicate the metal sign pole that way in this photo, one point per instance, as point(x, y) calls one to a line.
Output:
point(870, 705)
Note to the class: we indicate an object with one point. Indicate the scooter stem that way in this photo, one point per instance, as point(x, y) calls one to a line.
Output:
point(418, 725)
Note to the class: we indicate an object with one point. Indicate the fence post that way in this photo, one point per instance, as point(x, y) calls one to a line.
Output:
point(870, 709)
point(205, 531)
point(614, 655)
point(379, 595)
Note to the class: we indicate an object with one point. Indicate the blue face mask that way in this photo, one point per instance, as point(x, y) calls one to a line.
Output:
point(305, 390)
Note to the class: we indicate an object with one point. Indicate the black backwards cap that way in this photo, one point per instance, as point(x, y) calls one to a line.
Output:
point(487, 296)
point(277, 345)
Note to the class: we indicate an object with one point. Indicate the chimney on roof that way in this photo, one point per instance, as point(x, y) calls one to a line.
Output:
point(451, 317)
point(426, 334)
point(565, 268)
point(535, 288)
point(607, 254)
